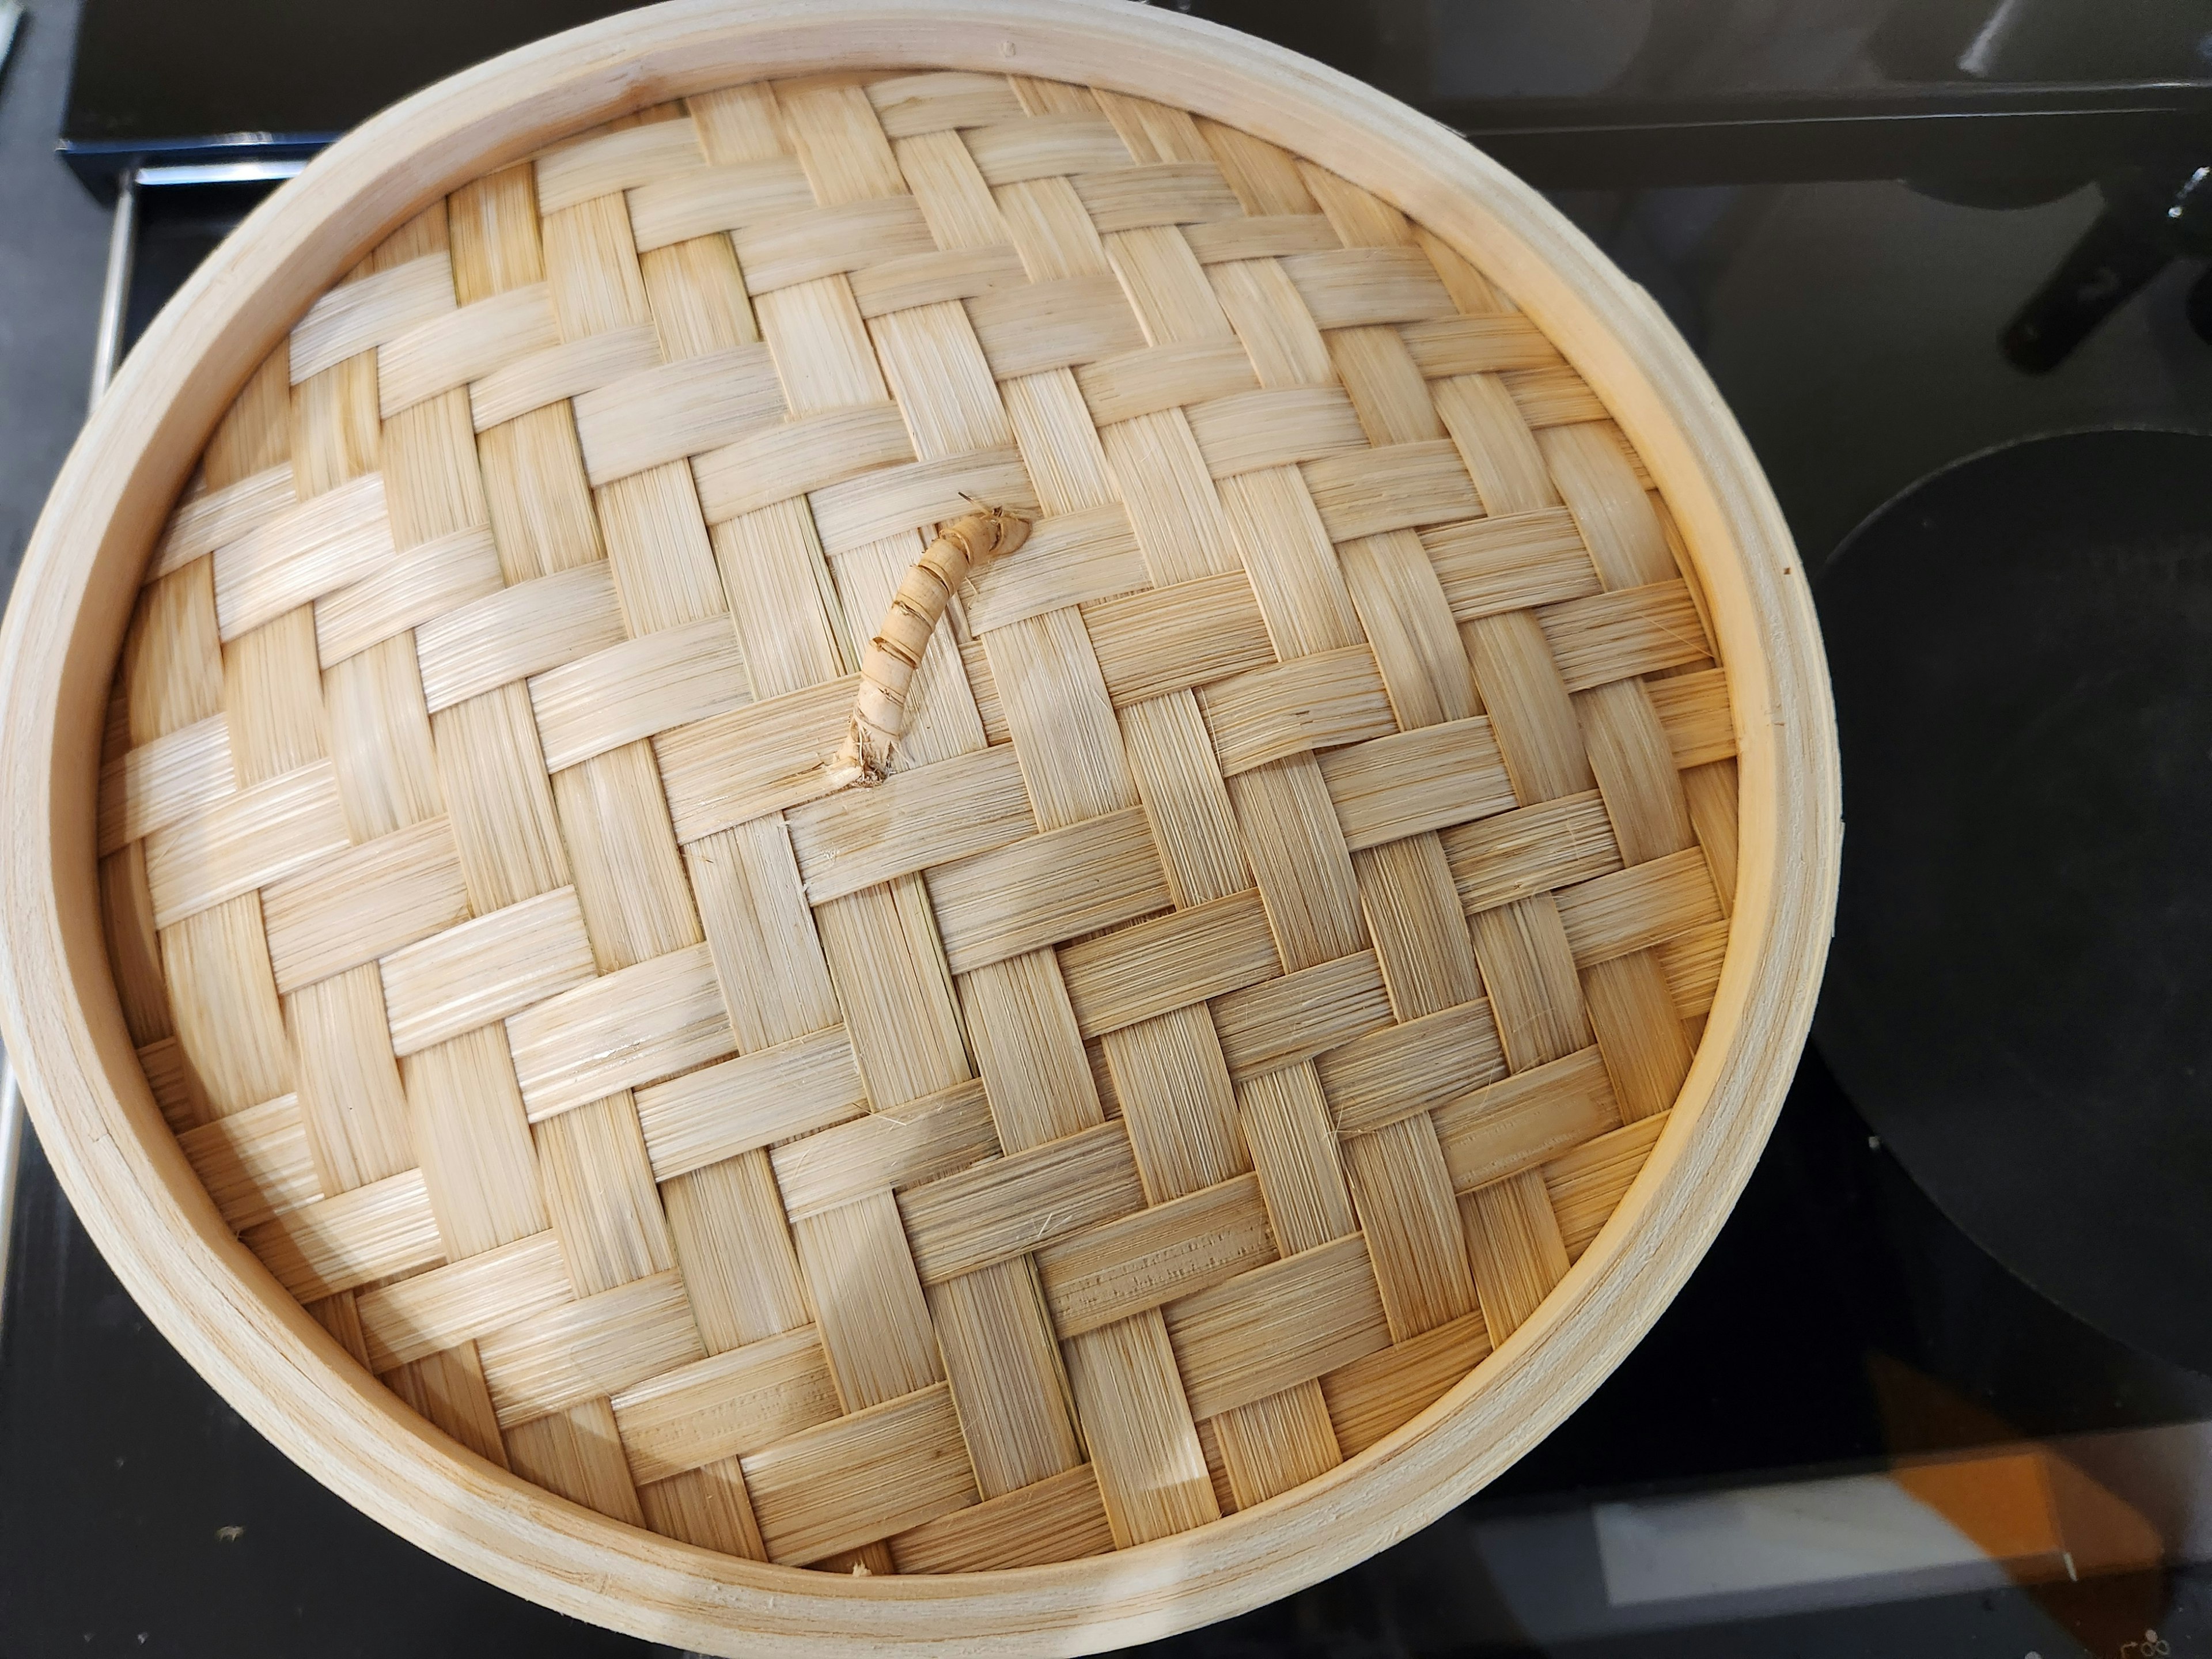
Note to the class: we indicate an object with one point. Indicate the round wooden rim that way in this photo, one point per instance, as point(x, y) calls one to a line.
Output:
point(142, 1203)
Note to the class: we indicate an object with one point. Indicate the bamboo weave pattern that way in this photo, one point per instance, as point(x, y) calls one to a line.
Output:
point(1289, 920)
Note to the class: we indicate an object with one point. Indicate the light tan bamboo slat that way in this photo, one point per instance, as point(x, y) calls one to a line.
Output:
point(1286, 924)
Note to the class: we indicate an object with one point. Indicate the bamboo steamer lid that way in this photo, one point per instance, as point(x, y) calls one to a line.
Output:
point(1330, 936)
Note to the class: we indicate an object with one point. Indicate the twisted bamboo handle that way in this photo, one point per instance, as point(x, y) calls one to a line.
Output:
point(887, 669)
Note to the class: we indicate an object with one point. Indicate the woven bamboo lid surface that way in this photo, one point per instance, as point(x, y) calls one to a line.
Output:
point(1293, 912)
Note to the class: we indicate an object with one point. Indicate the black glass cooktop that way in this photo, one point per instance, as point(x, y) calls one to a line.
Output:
point(1744, 1484)
point(1571, 93)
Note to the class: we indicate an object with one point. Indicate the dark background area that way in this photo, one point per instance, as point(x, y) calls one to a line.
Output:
point(1840, 1318)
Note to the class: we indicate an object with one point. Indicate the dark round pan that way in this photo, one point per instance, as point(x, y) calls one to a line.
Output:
point(2020, 994)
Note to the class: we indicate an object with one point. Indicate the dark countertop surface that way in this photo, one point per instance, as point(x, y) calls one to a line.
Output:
point(1839, 1320)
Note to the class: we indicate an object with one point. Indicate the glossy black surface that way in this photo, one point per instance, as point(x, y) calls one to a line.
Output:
point(1568, 93)
point(2019, 996)
point(1841, 1316)
point(1837, 1319)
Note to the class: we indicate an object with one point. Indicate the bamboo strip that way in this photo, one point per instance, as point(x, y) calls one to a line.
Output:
point(272, 692)
point(706, 1506)
point(768, 958)
point(1178, 778)
point(1005, 1370)
point(493, 775)
point(1635, 769)
point(1401, 487)
point(1494, 441)
point(728, 1405)
point(868, 1302)
point(751, 761)
point(1374, 1396)
point(1045, 889)
point(588, 1349)
point(1403, 784)
point(223, 997)
point(1510, 563)
point(1269, 237)
point(1514, 1244)
point(861, 1477)
point(1290, 1019)
point(254, 1164)
point(1592, 474)
point(940, 101)
point(1586, 1184)
point(1060, 1518)
point(1693, 709)
point(135, 954)
point(1177, 1103)
point(422, 585)
point(1272, 321)
point(640, 1023)
point(576, 1453)
point(1152, 1473)
point(331, 1244)
point(1154, 968)
point(1255, 431)
point(525, 629)
point(1402, 606)
point(1171, 639)
point(1154, 379)
point(755, 1100)
point(1529, 712)
point(638, 687)
point(1285, 1118)
point(1477, 345)
point(1635, 908)
point(1529, 969)
point(359, 316)
point(1636, 630)
point(1639, 1032)
point(1398, 1070)
point(350, 1099)
point(448, 1389)
point(1385, 386)
point(1500, 1130)
point(1530, 850)
point(173, 655)
point(1108, 1272)
point(1714, 813)
point(919, 279)
point(341, 535)
point(450, 350)
point(1403, 1193)
point(365, 902)
point(483, 970)
point(1029, 1051)
point(212, 517)
point(740, 1268)
point(1273, 1327)
point(613, 161)
point(448, 1306)
point(675, 411)
point(154, 785)
point(529, 385)
point(599, 1188)
point(1299, 860)
point(1274, 1444)
point(1004, 1207)
point(244, 841)
point(900, 1145)
point(1069, 559)
point(675, 207)
point(465, 1124)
